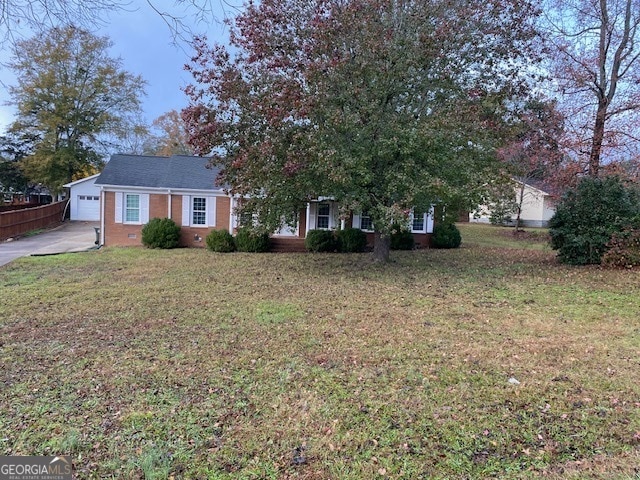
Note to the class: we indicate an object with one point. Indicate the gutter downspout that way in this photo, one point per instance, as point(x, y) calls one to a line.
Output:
point(169, 204)
point(66, 208)
point(102, 202)
point(232, 205)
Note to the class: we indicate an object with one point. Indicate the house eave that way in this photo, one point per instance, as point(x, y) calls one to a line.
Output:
point(82, 180)
point(520, 182)
point(165, 190)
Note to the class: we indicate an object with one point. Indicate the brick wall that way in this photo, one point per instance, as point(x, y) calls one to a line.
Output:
point(158, 206)
point(122, 234)
point(422, 240)
point(131, 235)
point(118, 233)
point(195, 236)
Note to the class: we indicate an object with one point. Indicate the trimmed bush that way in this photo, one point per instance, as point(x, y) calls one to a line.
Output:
point(623, 250)
point(502, 212)
point(249, 241)
point(220, 241)
point(401, 238)
point(446, 235)
point(321, 241)
point(587, 217)
point(351, 240)
point(161, 233)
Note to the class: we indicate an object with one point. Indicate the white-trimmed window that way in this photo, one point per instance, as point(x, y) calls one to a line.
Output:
point(418, 221)
point(323, 216)
point(240, 220)
point(198, 211)
point(132, 208)
point(365, 222)
point(246, 220)
point(362, 221)
point(421, 221)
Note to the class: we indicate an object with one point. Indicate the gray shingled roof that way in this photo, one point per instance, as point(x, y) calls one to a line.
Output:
point(178, 171)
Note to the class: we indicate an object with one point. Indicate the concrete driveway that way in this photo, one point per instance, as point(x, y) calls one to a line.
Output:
point(69, 237)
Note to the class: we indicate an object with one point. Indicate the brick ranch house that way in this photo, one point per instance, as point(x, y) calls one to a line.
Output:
point(136, 188)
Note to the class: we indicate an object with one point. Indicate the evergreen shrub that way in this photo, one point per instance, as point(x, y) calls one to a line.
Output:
point(161, 233)
point(351, 240)
point(220, 241)
point(401, 238)
point(248, 240)
point(446, 235)
point(321, 241)
point(589, 215)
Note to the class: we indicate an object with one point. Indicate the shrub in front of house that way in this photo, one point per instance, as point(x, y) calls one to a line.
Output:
point(500, 216)
point(161, 233)
point(248, 240)
point(623, 250)
point(589, 215)
point(321, 241)
point(220, 241)
point(502, 204)
point(351, 240)
point(401, 238)
point(446, 235)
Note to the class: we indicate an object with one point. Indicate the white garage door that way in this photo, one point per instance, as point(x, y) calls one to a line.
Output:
point(88, 208)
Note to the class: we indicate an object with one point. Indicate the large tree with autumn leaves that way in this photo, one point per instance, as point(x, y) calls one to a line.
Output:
point(383, 105)
point(595, 47)
point(72, 99)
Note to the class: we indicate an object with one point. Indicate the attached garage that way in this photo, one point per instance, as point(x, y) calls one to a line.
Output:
point(84, 199)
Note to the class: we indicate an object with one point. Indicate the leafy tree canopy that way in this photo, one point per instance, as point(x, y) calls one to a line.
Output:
point(13, 148)
point(11, 177)
point(71, 97)
point(171, 137)
point(534, 153)
point(382, 105)
point(589, 214)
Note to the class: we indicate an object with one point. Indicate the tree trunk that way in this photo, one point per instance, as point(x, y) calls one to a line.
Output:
point(520, 200)
point(598, 137)
point(381, 247)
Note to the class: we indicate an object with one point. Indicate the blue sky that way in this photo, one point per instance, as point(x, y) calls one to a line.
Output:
point(144, 42)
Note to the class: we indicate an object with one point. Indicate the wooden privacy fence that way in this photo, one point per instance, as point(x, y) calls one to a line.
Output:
point(26, 220)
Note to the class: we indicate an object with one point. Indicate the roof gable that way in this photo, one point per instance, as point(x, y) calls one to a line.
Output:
point(178, 171)
point(82, 180)
point(534, 184)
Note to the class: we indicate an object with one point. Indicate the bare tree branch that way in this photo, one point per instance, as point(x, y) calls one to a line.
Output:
point(17, 16)
point(597, 64)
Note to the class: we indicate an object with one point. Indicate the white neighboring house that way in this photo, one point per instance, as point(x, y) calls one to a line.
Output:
point(538, 206)
point(84, 199)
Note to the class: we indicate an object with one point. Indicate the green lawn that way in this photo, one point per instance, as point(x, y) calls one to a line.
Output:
point(188, 364)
